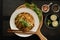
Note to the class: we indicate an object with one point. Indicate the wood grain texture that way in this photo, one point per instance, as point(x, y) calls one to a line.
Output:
point(38, 32)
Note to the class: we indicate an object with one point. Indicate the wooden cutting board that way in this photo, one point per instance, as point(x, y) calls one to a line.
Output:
point(38, 32)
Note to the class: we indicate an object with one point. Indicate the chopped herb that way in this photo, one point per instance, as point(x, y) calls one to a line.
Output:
point(24, 23)
point(49, 22)
point(36, 9)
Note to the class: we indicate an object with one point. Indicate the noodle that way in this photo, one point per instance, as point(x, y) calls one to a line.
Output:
point(24, 22)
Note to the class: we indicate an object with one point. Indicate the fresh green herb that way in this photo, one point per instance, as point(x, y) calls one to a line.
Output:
point(38, 12)
point(24, 23)
point(36, 9)
point(49, 22)
point(27, 5)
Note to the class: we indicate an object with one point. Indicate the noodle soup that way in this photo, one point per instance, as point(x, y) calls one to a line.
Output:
point(24, 21)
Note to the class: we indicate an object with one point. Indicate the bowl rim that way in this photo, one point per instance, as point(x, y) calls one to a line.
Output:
point(34, 16)
point(53, 9)
point(47, 25)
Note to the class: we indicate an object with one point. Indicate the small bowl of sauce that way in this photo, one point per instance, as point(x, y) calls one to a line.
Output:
point(46, 7)
point(55, 8)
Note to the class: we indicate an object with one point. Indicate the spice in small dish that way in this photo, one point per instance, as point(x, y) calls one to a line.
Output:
point(55, 8)
point(45, 8)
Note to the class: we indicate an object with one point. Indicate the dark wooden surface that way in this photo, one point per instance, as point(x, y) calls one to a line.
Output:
point(8, 7)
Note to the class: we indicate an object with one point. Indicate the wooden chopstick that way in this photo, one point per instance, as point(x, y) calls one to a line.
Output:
point(18, 31)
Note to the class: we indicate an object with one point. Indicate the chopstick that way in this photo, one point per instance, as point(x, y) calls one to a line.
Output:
point(18, 31)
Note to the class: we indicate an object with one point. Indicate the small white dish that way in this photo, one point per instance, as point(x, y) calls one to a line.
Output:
point(16, 12)
point(53, 6)
point(46, 8)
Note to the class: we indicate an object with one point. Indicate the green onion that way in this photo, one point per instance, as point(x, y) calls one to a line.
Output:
point(24, 23)
point(49, 22)
point(36, 9)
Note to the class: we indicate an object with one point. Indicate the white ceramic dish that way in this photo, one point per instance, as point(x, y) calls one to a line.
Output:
point(48, 7)
point(53, 7)
point(16, 12)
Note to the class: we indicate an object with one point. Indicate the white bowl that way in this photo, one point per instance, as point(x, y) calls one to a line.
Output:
point(16, 12)
point(47, 9)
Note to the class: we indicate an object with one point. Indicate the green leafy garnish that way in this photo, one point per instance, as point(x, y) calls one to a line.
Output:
point(49, 22)
point(36, 9)
point(27, 4)
point(24, 23)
